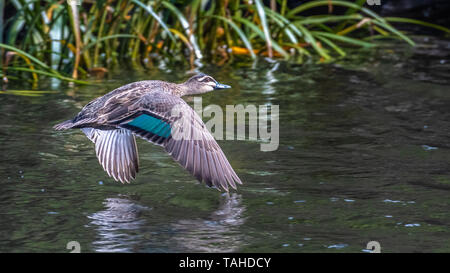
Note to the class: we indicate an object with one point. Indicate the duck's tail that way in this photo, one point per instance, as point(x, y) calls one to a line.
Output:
point(64, 125)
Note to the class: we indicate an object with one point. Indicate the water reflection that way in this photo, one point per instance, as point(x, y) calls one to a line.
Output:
point(115, 225)
point(217, 233)
point(123, 227)
point(268, 88)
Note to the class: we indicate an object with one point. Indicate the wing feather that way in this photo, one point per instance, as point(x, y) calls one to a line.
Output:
point(116, 151)
point(187, 139)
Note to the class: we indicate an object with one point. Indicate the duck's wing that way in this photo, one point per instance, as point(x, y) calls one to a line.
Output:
point(169, 121)
point(116, 151)
point(118, 103)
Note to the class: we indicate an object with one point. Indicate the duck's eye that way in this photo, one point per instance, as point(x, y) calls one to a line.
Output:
point(206, 79)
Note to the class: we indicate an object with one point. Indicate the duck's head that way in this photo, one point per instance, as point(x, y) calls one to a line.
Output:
point(202, 83)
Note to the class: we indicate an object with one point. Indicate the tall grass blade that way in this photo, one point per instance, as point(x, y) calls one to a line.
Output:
point(416, 22)
point(309, 38)
point(241, 34)
point(76, 29)
point(186, 27)
point(149, 9)
point(255, 29)
point(262, 17)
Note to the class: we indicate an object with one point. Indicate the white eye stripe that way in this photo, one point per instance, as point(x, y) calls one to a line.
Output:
point(204, 78)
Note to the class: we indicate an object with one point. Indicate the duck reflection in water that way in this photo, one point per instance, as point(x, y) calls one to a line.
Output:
point(218, 233)
point(125, 226)
point(118, 225)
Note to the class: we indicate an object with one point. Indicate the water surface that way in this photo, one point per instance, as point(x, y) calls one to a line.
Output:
point(363, 155)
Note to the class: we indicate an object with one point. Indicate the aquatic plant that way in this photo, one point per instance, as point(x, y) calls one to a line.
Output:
point(66, 39)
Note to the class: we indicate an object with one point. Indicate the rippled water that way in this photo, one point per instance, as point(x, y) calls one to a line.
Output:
point(364, 155)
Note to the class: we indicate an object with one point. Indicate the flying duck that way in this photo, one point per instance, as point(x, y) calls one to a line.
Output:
point(154, 111)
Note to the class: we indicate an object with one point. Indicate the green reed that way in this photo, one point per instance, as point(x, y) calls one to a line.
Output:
point(69, 41)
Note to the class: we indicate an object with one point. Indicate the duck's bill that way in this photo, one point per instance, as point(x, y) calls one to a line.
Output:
point(221, 86)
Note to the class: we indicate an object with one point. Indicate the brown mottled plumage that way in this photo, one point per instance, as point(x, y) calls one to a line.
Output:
point(154, 111)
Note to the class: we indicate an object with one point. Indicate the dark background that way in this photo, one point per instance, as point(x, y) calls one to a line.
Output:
point(433, 11)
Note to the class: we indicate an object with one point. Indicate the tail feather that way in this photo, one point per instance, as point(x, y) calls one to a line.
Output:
point(64, 125)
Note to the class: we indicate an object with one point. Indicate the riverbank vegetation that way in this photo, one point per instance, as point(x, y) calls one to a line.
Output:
point(72, 40)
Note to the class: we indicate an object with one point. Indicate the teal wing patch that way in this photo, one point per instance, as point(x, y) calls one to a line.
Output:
point(151, 125)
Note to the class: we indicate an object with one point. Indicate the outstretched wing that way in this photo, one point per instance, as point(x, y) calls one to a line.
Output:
point(169, 121)
point(116, 151)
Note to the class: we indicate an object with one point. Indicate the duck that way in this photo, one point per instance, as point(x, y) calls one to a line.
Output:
point(155, 111)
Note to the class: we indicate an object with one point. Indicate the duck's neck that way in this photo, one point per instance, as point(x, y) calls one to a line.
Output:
point(182, 89)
